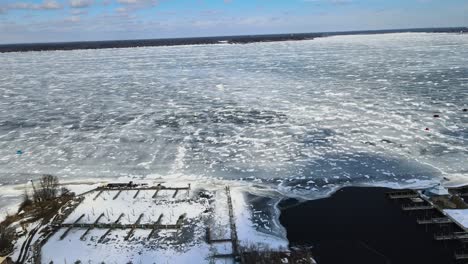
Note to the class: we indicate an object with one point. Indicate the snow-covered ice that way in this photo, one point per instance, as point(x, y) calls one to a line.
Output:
point(336, 111)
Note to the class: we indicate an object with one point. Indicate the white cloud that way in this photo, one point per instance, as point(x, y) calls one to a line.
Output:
point(137, 2)
point(121, 10)
point(121, 22)
point(50, 4)
point(45, 5)
point(73, 19)
point(132, 5)
point(78, 12)
point(80, 3)
point(335, 2)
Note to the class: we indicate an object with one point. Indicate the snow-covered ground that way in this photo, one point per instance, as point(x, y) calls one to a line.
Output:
point(144, 204)
point(117, 250)
point(186, 245)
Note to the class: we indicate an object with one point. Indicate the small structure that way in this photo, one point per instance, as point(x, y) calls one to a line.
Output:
point(437, 190)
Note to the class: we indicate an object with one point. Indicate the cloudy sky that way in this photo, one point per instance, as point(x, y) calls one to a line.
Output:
point(76, 20)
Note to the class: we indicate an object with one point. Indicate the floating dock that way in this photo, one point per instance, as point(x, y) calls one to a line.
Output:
point(435, 215)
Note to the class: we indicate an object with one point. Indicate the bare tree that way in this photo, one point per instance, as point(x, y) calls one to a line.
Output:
point(49, 188)
point(65, 191)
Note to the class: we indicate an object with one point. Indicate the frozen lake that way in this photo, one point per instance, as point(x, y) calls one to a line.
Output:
point(303, 116)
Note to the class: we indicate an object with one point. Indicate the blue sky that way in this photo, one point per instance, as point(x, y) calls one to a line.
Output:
point(77, 20)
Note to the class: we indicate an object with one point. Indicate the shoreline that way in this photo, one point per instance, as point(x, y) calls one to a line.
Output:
point(14, 192)
point(359, 222)
point(243, 39)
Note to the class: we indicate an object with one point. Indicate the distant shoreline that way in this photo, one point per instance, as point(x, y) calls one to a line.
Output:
point(85, 45)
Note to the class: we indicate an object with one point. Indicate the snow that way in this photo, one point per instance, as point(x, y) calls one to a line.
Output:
point(139, 250)
point(221, 115)
point(437, 190)
point(186, 245)
point(459, 215)
point(134, 207)
point(248, 235)
point(10, 199)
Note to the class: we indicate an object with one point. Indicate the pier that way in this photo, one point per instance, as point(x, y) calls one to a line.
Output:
point(413, 207)
point(436, 220)
point(158, 187)
point(233, 233)
point(451, 236)
point(120, 187)
point(461, 256)
point(90, 228)
point(232, 222)
point(97, 195)
point(101, 220)
point(155, 226)
point(402, 195)
point(70, 227)
point(110, 229)
point(117, 195)
point(431, 212)
point(134, 226)
point(120, 226)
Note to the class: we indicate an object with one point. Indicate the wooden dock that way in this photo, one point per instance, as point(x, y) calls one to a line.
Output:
point(98, 194)
point(155, 226)
point(452, 236)
point(156, 193)
point(402, 195)
point(70, 228)
point(213, 241)
point(120, 226)
point(232, 222)
point(110, 229)
point(412, 207)
point(134, 226)
point(234, 239)
point(90, 228)
point(224, 256)
point(437, 220)
point(461, 256)
point(151, 188)
point(117, 195)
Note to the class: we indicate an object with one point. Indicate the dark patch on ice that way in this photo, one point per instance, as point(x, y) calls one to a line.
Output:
point(262, 213)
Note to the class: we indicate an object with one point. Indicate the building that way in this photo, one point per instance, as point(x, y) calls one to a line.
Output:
point(437, 190)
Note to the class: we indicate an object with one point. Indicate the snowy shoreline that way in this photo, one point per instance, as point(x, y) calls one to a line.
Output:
point(11, 194)
point(257, 213)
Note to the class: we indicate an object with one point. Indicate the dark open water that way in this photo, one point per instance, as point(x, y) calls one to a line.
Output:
point(363, 226)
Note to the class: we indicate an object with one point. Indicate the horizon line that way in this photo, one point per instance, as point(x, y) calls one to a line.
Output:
point(208, 40)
